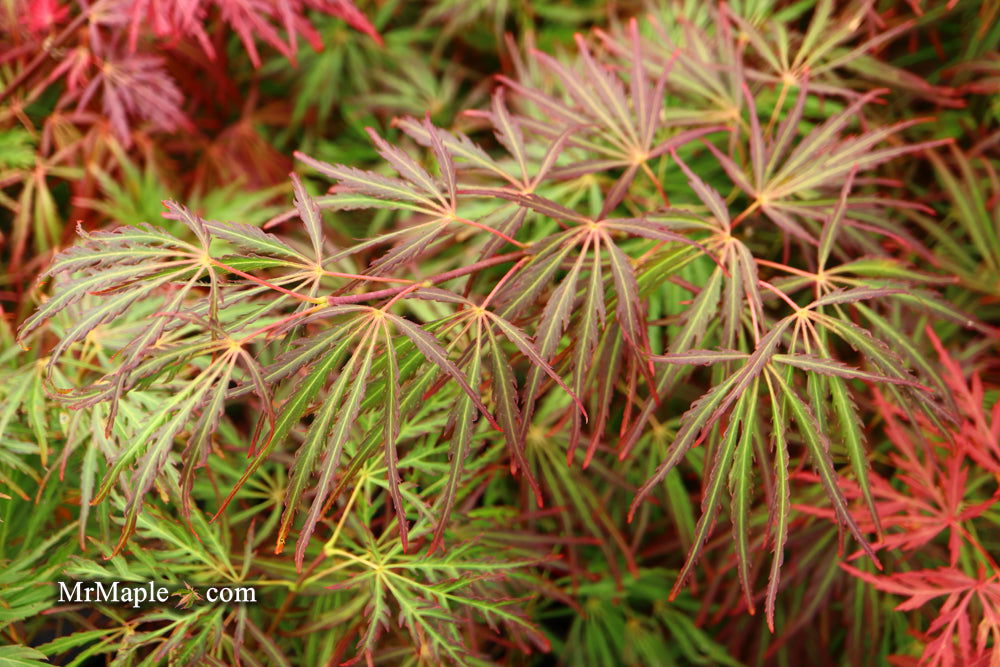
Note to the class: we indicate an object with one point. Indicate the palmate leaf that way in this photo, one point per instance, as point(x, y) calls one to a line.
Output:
point(22, 656)
point(935, 501)
point(186, 558)
point(133, 87)
point(735, 279)
point(819, 448)
point(113, 259)
point(252, 22)
point(704, 65)
point(734, 454)
point(949, 638)
point(332, 425)
point(584, 244)
point(710, 407)
point(150, 448)
point(435, 202)
point(472, 161)
point(486, 329)
point(829, 45)
point(328, 433)
point(202, 399)
point(936, 489)
point(435, 594)
point(615, 132)
point(781, 177)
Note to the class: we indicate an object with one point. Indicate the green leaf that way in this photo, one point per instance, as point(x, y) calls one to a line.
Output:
point(819, 452)
point(740, 478)
point(254, 239)
point(849, 426)
point(508, 414)
point(781, 503)
point(326, 436)
point(293, 409)
point(716, 482)
point(461, 442)
point(309, 213)
point(22, 656)
point(430, 348)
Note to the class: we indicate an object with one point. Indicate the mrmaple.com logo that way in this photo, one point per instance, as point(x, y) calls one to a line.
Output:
point(135, 594)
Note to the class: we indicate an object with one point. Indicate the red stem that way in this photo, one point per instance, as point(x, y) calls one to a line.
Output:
point(439, 278)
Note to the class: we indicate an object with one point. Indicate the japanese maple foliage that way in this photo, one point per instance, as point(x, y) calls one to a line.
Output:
point(81, 77)
point(928, 509)
point(939, 472)
point(675, 320)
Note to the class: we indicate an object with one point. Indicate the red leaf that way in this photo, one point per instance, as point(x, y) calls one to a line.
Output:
point(41, 15)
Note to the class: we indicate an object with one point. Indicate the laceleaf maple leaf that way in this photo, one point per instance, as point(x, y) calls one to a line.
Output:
point(978, 434)
point(928, 498)
point(926, 494)
point(167, 19)
point(134, 86)
point(970, 602)
point(40, 15)
point(252, 20)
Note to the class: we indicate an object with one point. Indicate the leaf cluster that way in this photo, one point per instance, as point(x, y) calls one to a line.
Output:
point(665, 277)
